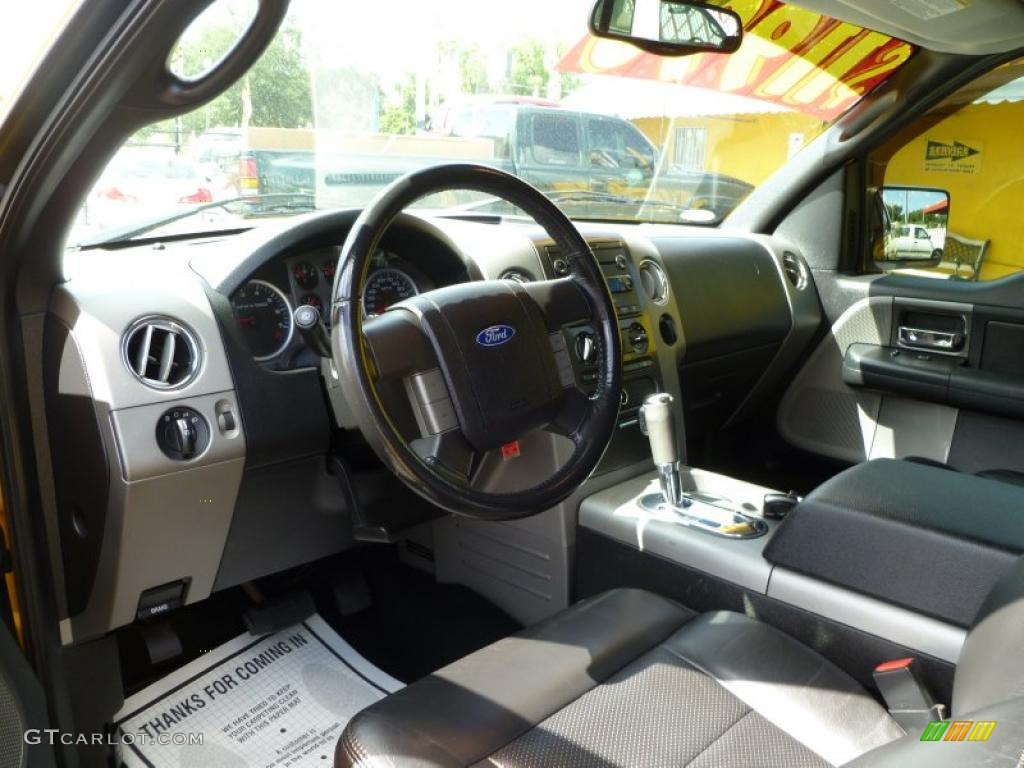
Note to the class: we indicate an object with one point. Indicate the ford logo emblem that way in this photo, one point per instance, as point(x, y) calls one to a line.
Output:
point(495, 336)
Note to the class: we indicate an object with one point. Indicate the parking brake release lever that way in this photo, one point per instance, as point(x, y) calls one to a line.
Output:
point(658, 423)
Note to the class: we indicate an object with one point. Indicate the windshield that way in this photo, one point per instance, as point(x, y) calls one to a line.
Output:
point(25, 36)
point(349, 97)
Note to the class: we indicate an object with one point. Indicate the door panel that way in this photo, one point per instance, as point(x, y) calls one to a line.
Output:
point(923, 367)
point(819, 412)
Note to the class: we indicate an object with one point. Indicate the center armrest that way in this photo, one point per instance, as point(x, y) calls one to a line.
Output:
point(923, 537)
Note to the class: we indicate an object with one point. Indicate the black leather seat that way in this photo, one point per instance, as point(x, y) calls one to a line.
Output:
point(628, 678)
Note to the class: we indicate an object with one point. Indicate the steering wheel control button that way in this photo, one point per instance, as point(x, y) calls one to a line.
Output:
point(182, 434)
point(429, 386)
point(432, 404)
point(439, 416)
point(510, 450)
point(565, 372)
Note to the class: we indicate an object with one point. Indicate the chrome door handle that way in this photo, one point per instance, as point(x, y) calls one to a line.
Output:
point(922, 338)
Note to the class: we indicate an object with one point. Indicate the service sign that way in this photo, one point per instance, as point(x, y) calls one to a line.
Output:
point(945, 155)
point(789, 56)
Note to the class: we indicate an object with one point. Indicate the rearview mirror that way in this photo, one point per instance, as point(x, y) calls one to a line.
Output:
point(668, 27)
point(915, 225)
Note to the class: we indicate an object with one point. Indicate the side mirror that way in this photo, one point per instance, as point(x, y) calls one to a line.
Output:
point(668, 27)
point(909, 211)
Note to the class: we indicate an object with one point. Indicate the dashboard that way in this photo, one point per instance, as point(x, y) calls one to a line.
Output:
point(225, 448)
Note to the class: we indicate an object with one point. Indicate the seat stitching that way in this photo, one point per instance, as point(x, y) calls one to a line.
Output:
point(696, 665)
point(817, 672)
point(721, 736)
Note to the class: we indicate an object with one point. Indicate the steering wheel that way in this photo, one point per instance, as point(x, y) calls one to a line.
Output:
point(482, 363)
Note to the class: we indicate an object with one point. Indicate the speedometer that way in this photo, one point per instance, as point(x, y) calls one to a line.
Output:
point(264, 316)
point(386, 287)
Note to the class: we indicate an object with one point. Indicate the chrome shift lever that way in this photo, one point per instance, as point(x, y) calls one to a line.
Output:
point(658, 423)
point(702, 511)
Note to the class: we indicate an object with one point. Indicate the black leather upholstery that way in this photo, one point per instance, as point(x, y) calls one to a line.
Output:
point(909, 533)
point(465, 711)
point(991, 666)
point(626, 678)
point(989, 686)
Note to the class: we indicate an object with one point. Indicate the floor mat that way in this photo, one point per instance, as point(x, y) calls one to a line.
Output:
point(278, 700)
point(417, 625)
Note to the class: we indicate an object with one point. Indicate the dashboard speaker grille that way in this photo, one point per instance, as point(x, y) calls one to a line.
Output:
point(794, 269)
point(161, 352)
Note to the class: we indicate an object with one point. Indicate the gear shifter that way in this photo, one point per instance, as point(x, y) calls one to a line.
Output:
point(702, 511)
point(658, 423)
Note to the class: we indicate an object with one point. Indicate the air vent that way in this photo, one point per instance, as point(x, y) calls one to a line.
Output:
point(160, 352)
point(795, 270)
point(654, 281)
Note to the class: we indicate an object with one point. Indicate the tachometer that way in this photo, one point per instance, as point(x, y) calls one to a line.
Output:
point(264, 316)
point(386, 287)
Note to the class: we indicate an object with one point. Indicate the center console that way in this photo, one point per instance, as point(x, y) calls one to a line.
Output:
point(639, 372)
point(884, 554)
point(641, 376)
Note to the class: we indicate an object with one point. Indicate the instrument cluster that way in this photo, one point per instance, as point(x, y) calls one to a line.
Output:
point(264, 306)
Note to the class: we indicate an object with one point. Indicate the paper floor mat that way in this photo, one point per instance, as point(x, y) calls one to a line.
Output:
point(270, 702)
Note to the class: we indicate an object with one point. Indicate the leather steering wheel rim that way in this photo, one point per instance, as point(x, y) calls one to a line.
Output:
point(588, 421)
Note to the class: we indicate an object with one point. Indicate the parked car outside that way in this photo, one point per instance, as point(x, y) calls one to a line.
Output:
point(912, 243)
point(141, 183)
